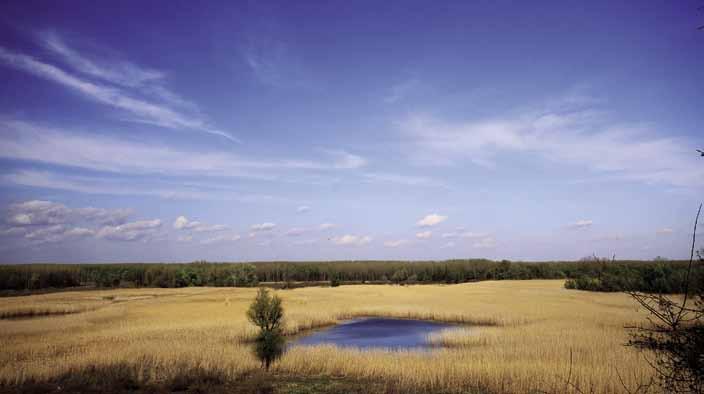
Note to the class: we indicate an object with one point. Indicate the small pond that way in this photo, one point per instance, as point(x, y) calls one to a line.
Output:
point(368, 333)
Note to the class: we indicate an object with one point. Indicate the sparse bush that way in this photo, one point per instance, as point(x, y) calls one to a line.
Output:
point(267, 313)
point(675, 331)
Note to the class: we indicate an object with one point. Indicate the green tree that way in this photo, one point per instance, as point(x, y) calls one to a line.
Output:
point(399, 276)
point(267, 313)
point(244, 275)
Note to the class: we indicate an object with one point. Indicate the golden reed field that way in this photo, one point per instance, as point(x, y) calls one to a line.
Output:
point(518, 338)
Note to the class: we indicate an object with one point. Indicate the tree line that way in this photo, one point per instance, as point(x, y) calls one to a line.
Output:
point(660, 277)
point(595, 275)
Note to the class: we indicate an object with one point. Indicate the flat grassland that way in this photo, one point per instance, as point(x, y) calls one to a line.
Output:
point(520, 336)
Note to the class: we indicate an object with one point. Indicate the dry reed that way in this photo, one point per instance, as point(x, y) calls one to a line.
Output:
point(518, 337)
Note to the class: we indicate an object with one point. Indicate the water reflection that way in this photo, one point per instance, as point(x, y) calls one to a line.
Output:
point(376, 333)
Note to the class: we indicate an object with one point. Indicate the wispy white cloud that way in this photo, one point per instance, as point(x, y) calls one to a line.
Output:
point(146, 81)
point(564, 133)
point(38, 212)
point(345, 160)
point(38, 222)
point(52, 233)
point(263, 227)
point(609, 238)
point(473, 235)
point(304, 242)
point(29, 141)
point(221, 238)
point(182, 223)
point(581, 224)
point(105, 216)
point(295, 231)
point(14, 231)
point(206, 228)
point(56, 233)
point(140, 230)
point(156, 188)
point(430, 220)
point(479, 240)
point(464, 234)
point(487, 242)
point(79, 232)
point(408, 180)
point(121, 73)
point(664, 231)
point(401, 90)
point(424, 235)
point(303, 209)
point(140, 110)
point(327, 226)
point(273, 60)
point(395, 243)
point(352, 240)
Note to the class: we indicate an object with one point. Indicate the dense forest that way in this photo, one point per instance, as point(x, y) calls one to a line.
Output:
point(594, 275)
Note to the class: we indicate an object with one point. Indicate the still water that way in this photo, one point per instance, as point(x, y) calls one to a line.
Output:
point(368, 333)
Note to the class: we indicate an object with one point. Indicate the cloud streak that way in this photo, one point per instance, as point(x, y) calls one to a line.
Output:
point(431, 220)
point(134, 231)
point(29, 141)
point(424, 235)
point(39, 212)
point(221, 238)
point(564, 134)
point(103, 185)
point(352, 240)
point(122, 73)
point(581, 224)
point(182, 223)
point(141, 110)
point(395, 243)
point(263, 227)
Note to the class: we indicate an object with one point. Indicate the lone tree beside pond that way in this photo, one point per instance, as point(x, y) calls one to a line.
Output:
point(267, 313)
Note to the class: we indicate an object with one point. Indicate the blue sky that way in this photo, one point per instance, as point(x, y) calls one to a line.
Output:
point(349, 130)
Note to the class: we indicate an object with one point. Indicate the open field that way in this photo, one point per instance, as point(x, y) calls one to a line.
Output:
point(520, 338)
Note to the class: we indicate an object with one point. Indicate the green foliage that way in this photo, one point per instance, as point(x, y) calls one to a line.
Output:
point(593, 274)
point(187, 277)
point(656, 277)
point(399, 276)
point(267, 313)
point(269, 347)
point(244, 275)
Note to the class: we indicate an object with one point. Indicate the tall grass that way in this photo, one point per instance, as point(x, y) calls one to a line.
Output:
point(518, 338)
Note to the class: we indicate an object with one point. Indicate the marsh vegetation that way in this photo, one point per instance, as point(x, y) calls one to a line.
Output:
point(521, 338)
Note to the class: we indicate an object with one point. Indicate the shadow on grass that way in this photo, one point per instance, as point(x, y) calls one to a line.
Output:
point(126, 378)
